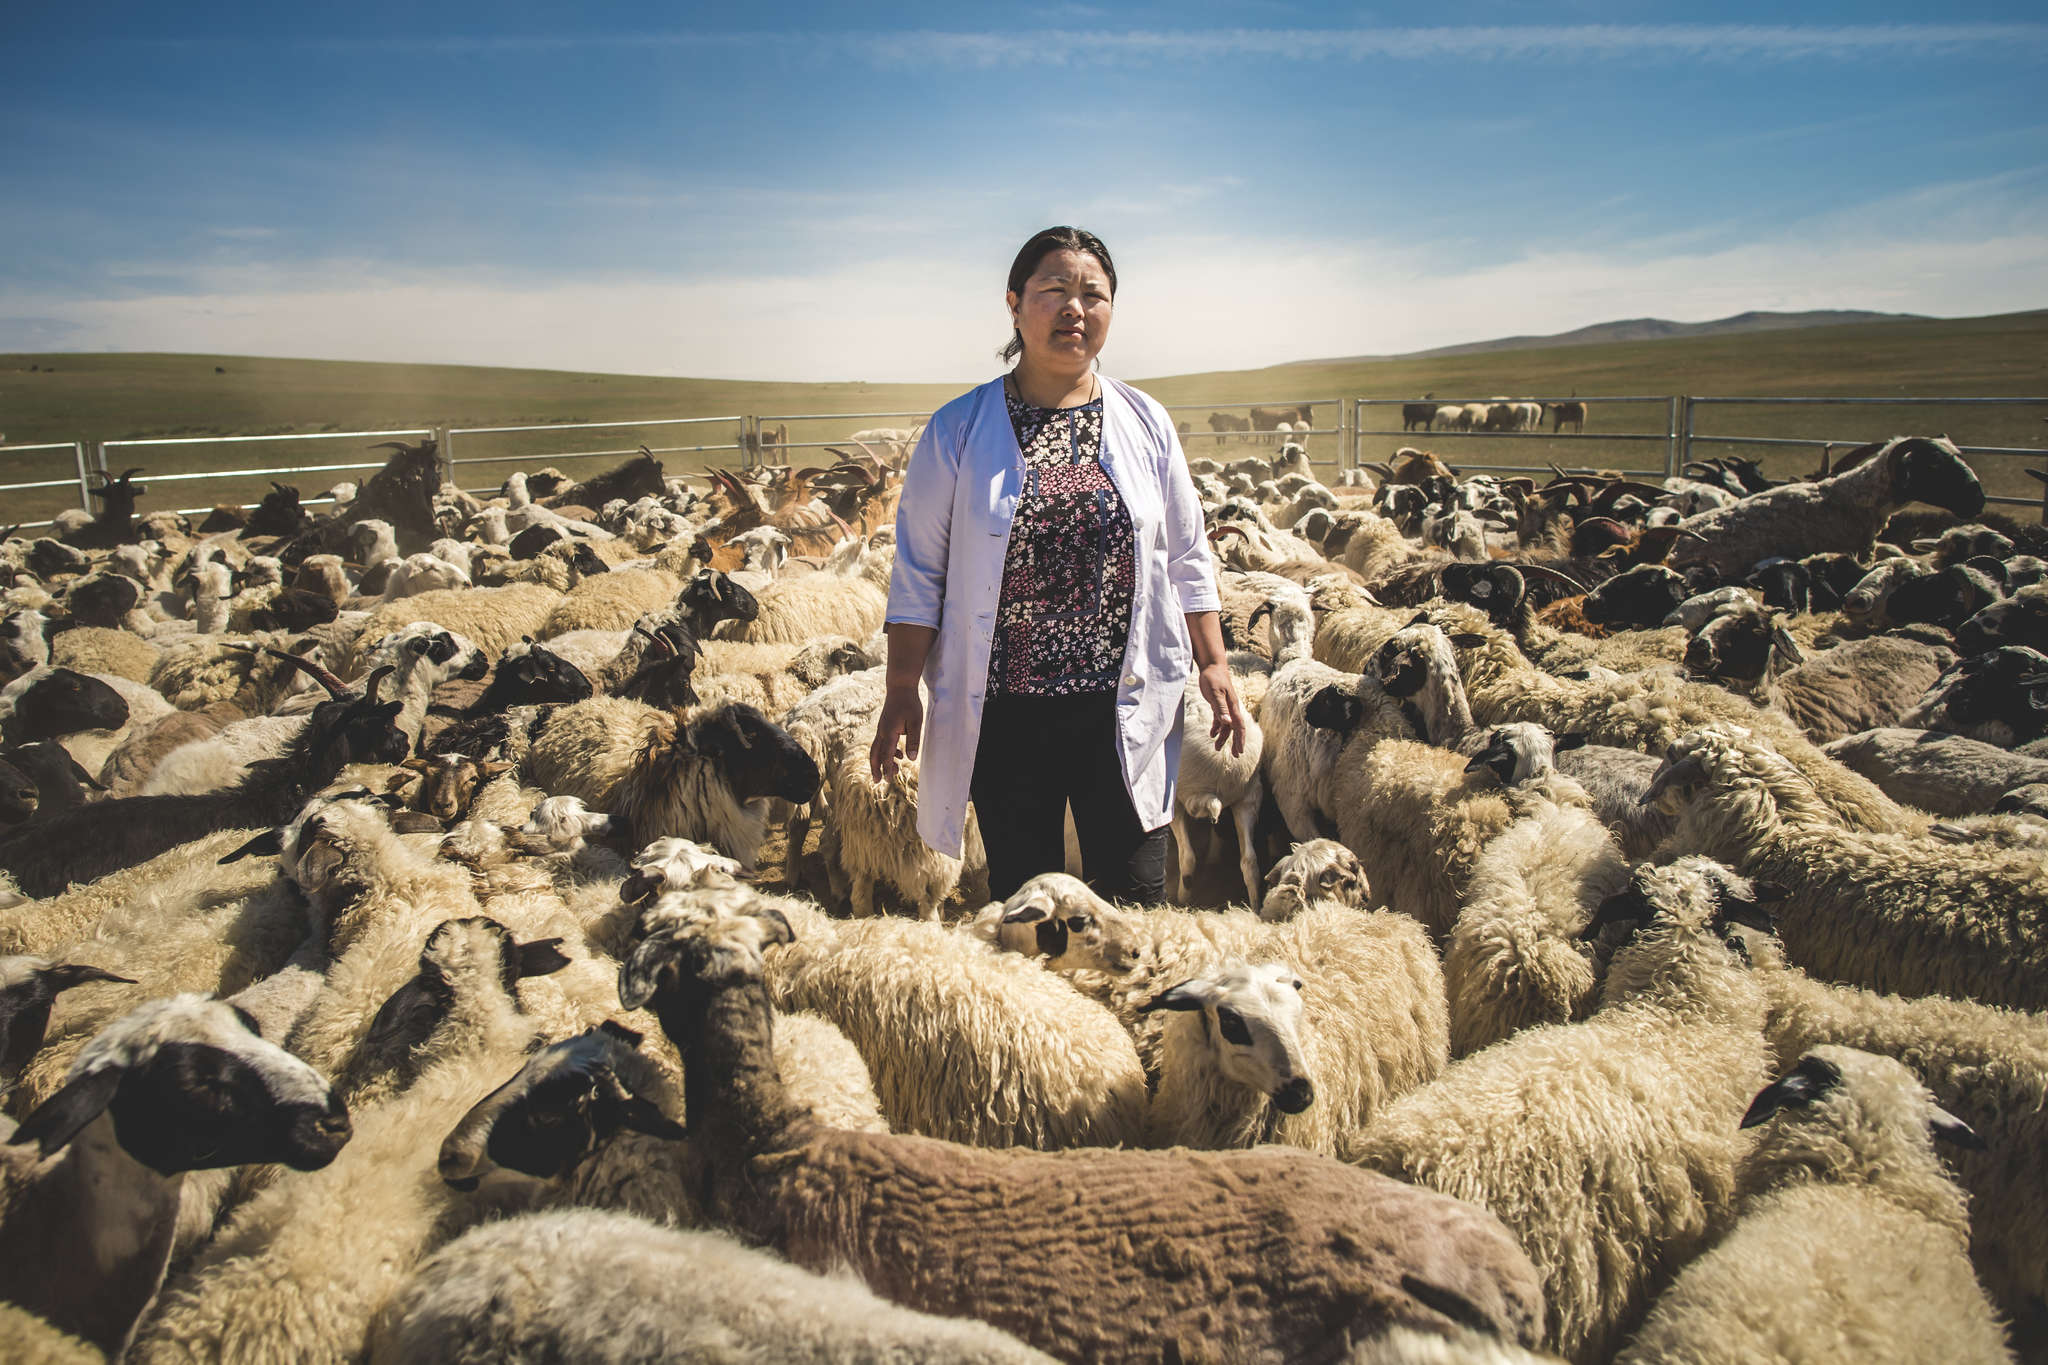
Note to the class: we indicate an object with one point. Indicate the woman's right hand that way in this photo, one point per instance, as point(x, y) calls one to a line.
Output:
point(902, 718)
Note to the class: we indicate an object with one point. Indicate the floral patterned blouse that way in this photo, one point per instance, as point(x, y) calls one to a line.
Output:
point(1064, 614)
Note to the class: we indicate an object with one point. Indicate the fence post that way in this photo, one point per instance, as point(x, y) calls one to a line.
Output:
point(1684, 425)
point(84, 482)
point(444, 442)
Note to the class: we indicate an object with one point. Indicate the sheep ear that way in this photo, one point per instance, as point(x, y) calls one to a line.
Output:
point(1782, 641)
point(65, 1114)
point(1419, 619)
point(775, 926)
point(630, 1037)
point(1805, 1083)
point(644, 972)
point(643, 1117)
point(1466, 639)
point(267, 844)
point(493, 768)
point(65, 975)
point(1946, 1127)
point(1768, 892)
point(414, 822)
point(542, 957)
point(1025, 914)
point(1188, 995)
point(1574, 739)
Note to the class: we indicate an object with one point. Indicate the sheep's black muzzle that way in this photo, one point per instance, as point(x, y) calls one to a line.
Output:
point(317, 1134)
point(1295, 1096)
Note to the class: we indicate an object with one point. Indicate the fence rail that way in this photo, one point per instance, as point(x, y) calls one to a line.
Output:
point(1692, 436)
point(107, 449)
point(449, 437)
point(78, 478)
point(1677, 427)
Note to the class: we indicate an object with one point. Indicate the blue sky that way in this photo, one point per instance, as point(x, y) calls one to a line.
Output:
point(819, 192)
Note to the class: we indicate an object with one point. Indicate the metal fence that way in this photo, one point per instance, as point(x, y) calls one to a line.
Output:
point(113, 453)
point(1192, 436)
point(759, 429)
point(36, 454)
point(1670, 426)
point(2003, 454)
point(1669, 437)
point(450, 438)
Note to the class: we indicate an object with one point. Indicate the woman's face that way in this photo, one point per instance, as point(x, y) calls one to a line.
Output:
point(1063, 313)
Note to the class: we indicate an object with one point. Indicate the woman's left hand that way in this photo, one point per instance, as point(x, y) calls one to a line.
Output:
point(1219, 689)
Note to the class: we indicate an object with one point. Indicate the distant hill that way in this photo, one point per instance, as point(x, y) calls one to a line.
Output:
point(1643, 329)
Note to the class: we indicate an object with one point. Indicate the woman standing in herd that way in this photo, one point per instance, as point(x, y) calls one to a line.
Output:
point(1053, 588)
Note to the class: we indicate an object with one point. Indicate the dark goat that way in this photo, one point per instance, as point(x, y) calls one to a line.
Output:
point(1784, 583)
point(103, 599)
point(60, 782)
point(2021, 619)
point(401, 493)
point(712, 597)
point(529, 543)
point(85, 844)
point(58, 702)
point(637, 478)
point(48, 558)
point(295, 610)
point(114, 523)
point(663, 678)
point(528, 674)
point(1637, 600)
point(1999, 697)
point(17, 794)
point(1833, 578)
point(279, 514)
point(732, 745)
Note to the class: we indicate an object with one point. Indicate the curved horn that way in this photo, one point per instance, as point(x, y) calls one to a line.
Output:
point(376, 679)
point(128, 474)
point(1544, 573)
point(336, 688)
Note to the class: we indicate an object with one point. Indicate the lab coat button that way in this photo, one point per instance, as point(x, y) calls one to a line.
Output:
point(1130, 680)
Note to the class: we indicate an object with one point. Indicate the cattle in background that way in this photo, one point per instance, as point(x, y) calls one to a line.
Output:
point(1419, 415)
point(1224, 423)
point(1572, 414)
point(1269, 419)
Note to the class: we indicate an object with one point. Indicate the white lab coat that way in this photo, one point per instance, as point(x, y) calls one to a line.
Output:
point(952, 533)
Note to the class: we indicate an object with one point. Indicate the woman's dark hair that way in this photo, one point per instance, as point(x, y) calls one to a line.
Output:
point(1042, 245)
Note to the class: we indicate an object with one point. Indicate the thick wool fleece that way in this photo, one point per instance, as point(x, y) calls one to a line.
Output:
point(1988, 1067)
point(611, 601)
point(1514, 959)
point(1608, 1147)
point(1850, 1243)
point(1649, 712)
point(492, 619)
point(1901, 913)
point(968, 1044)
point(608, 1289)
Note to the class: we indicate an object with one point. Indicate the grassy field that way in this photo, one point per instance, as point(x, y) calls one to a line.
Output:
point(125, 396)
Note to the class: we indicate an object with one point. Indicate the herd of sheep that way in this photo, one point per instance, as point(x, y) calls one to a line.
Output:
point(467, 929)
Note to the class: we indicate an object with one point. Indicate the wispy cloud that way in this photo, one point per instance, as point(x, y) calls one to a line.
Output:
point(930, 318)
point(1096, 46)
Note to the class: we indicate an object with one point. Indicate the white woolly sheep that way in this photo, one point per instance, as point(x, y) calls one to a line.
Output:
point(1989, 1066)
point(611, 1289)
point(1608, 1146)
point(1375, 1023)
point(1893, 912)
point(1312, 872)
point(966, 1044)
point(1850, 1239)
point(1514, 959)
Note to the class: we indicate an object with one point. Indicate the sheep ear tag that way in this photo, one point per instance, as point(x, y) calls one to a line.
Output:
point(65, 1114)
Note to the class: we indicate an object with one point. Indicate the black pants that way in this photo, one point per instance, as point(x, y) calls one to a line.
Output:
point(1038, 755)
